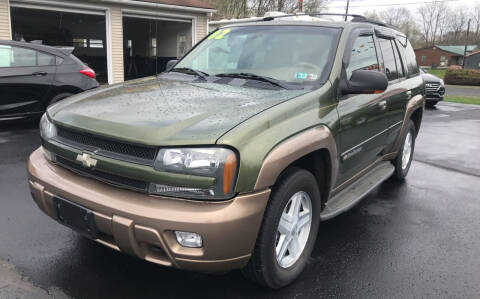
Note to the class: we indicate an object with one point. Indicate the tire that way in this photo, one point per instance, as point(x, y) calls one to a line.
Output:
point(403, 160)
point(431, 104)
point(59, 97)
point(264, 268)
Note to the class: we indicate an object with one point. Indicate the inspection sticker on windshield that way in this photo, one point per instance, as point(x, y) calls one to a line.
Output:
point(306, 76)
point(219, 34)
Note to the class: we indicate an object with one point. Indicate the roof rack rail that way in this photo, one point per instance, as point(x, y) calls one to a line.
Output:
point(356, 18)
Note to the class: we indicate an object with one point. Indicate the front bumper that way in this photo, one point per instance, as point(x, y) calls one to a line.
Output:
point(142, 225)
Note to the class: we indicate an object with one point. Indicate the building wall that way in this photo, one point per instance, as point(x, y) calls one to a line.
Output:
point(116, 21)
point(472, 61)
point(201, 26)
point(4, 19)
point(433, 55)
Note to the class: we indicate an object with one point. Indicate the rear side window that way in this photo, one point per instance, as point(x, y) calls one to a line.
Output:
point(407, 52)
point(364, 55)
point(22, 57)
point(398, 60)
point(389, 62)
point(412, 65)
point(45, 59)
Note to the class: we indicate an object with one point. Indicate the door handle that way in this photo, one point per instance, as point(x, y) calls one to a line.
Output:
point(409, 94)
point(383, 105)
point(39, 73)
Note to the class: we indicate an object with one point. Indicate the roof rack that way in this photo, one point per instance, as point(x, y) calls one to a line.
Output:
point(356, 18)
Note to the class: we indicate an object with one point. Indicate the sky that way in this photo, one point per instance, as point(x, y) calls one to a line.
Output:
point(360, 6)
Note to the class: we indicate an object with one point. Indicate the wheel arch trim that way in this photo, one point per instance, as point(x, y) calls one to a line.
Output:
point(295, 148)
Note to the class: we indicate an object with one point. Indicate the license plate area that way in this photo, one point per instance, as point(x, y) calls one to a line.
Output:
point(76, 217)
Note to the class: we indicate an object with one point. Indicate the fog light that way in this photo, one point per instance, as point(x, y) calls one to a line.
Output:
point(187, 239)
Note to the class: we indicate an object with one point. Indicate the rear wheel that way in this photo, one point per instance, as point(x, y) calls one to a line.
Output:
point(405, 154)
point(288, 232)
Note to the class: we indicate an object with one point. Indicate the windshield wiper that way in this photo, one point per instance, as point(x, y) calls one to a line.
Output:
point(187, 70)
point(254, 77)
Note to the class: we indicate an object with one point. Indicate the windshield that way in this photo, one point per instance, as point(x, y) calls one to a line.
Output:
point(299, 55)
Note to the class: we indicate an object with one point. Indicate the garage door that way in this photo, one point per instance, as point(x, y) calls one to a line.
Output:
point(85, 30)
point(150, 42)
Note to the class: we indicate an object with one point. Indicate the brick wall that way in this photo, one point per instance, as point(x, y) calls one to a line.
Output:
point(432, 56)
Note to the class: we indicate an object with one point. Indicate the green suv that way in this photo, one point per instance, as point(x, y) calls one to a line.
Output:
point(233, 157)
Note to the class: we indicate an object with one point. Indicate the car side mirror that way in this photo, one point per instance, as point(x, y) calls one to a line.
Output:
point(171, 64)
point(365, 82)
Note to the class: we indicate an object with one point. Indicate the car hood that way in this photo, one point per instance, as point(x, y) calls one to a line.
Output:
point(430, 78)
point(159, 111)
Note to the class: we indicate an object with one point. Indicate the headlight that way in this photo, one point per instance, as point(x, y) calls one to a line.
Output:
point(441, 82)
point(47, 129)
point(217, 163)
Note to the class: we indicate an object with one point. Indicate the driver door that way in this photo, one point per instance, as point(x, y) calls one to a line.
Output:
point(363, 117)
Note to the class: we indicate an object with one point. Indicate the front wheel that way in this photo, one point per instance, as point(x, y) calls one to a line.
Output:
point(288, 232)
point(431, 104)
point(405, 154)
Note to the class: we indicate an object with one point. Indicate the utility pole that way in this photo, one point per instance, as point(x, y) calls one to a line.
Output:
point(466, 44)
point(346, 10)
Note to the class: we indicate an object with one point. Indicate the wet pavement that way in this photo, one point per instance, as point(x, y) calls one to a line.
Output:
point(420, 238)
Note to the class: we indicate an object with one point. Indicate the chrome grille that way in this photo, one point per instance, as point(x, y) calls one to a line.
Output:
point(431, 86)
point(109, 178)
point(107, 147)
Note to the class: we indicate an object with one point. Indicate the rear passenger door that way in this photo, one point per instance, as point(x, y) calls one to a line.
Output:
point(397, 93)
point(26, 76)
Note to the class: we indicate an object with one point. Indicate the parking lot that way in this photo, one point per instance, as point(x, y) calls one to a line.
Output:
point(420, 238)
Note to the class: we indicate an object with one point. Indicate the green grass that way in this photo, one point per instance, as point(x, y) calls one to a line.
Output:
point(440, 73)
point(463, 100)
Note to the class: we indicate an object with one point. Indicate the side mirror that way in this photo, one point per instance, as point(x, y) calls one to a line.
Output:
point(170, 65)
point(365, 82)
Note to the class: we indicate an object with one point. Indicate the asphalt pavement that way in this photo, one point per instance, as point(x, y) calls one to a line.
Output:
point(419, 238)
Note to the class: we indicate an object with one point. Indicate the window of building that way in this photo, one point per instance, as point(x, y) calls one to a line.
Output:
point(424, 58)
point(96, 43)
point(364, 55)
point(80, 42)
point(153, 47)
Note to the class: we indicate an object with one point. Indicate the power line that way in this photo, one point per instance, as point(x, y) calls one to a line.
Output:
point(394, 4)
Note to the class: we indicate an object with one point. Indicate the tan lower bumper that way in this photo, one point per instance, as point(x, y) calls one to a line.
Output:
point(142, 225)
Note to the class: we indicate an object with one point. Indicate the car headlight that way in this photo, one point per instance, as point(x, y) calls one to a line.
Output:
point(47, 129)
point(217, 163)
point(441, 82)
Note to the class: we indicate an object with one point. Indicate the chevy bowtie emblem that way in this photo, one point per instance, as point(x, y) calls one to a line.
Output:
point(87, 160)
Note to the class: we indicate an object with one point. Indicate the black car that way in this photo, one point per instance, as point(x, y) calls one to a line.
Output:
point(33, 76)
point(434, 89)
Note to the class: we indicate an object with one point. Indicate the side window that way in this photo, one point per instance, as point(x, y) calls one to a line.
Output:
point(364, 55)
point(412, 66)
point(45, 59)
point(398, 60)
point(389, 63)
point(24, 57)
point(6, 56)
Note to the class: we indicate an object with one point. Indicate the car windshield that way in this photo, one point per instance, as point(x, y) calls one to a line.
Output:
point(284, 54)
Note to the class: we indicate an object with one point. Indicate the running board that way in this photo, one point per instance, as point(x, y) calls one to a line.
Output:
point(351, 195)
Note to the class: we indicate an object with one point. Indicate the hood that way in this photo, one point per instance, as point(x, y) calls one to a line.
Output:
point(159, 111)
point(431, 78)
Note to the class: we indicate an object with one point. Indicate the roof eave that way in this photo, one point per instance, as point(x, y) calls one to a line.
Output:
point(161, 5)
